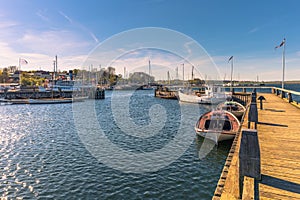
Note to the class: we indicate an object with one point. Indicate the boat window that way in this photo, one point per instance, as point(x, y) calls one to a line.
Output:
point(227, 126)
point(206, 125)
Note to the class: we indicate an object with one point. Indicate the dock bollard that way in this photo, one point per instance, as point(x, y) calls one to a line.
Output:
point(261, 98)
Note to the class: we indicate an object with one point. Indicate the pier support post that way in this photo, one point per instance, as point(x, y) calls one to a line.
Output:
point(99, 94)
point(290, 98)
point(249, 159)
point(253, 114)
point(273, 90)
point(282, 94)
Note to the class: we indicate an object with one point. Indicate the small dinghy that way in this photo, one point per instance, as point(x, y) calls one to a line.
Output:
point(217, 125)
point(234, 107)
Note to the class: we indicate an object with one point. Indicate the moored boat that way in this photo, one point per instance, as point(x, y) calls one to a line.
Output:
point(210, 95)
point(193, 98)
point(165, 93)
point(217, 125)
point(234, 107)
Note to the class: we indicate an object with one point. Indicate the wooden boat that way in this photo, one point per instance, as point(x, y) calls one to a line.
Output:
point(165, 93)
point(217, 125)
point(234, 107)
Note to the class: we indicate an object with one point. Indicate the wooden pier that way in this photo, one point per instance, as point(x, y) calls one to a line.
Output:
point(91, 93)
point(277, 167)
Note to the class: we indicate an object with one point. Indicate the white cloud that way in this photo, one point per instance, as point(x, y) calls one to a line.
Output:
point(66, 17)
point(53, 42)
point(42, 14)
point(253, 30)
point(71, 21)
point(7, 24)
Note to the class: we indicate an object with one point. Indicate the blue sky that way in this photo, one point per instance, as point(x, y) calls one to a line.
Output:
point(248, 30)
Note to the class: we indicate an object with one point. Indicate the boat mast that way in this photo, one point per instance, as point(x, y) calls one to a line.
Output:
point(20, 72)
point(183, 73)
point(55, 65)
point(231, 58)
point(149, 73)
point(169, 77)
point(96, 76)
point(193, 72)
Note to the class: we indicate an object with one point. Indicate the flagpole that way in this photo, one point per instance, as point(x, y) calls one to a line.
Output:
point(283, 64)
point(231, 74)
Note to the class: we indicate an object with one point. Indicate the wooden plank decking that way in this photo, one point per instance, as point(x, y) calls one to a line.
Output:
point(279, 140)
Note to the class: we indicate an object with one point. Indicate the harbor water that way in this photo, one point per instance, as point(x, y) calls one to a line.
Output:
point(42, 155)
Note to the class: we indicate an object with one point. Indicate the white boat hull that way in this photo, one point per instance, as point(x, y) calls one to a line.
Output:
point(215, 136)
point(204, 99)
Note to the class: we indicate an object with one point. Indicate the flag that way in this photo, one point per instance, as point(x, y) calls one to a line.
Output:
point(281, 44)
point(23, 61)
point(230, 58)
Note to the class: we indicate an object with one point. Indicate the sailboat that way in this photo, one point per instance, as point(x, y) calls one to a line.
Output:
point(148, 86)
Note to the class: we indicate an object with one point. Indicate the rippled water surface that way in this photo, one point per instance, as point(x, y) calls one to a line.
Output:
point(43, 157)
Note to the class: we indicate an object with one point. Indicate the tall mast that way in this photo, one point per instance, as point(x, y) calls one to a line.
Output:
point(231, 74)
point(20, 71)
point(124, 72)
point(149, 72)
point(96, 81)
point(55, 63)
point(193, 72)
point(183, 73)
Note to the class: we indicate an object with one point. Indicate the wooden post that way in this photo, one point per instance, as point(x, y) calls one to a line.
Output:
point(273, 90)
point(253, 95)
point(282, 94)
point(249, 159)
point(290, 98)
point(253, 115)
point(277, 92)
